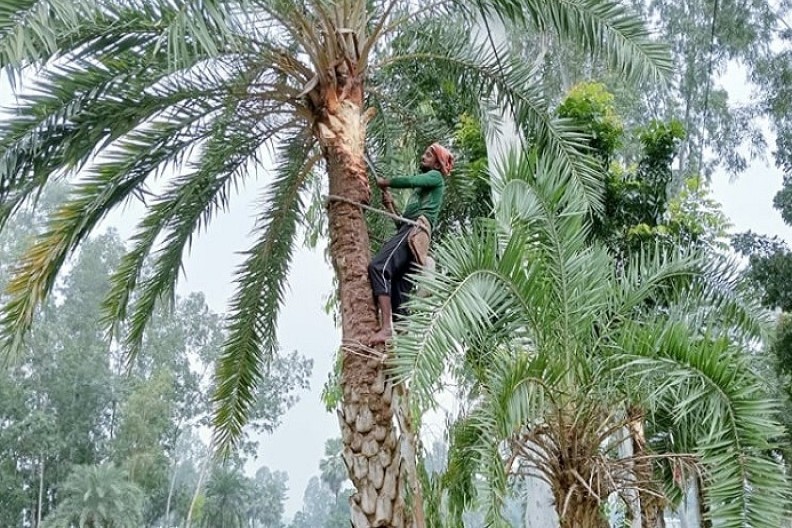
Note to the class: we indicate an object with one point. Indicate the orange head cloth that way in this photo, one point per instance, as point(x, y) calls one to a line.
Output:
point(445, 159)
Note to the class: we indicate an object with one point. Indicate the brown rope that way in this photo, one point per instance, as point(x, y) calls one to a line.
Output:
point(336, 198)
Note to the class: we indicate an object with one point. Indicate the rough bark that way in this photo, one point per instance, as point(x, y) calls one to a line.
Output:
point(650, 492)
point(409, 454)
point(581, 511)
point(367, 428)
point(578, 483)
point(578, 506)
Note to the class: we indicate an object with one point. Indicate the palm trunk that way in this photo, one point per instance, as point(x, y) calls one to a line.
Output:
point(575, 504)
point(582, 511)
point(649, 494)
point(409, 452)
point(40, 494)
point(370, 446)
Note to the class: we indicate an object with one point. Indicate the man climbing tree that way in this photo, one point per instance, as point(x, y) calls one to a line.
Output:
point(389, 268)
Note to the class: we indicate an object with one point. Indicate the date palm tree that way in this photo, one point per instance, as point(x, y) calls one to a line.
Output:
point(97, 497)
point(195, 92)
point(564, 357)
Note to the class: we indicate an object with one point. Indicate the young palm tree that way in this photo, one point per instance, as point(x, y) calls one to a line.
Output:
point(129, 90)
point(565, 357)
point(97, 497)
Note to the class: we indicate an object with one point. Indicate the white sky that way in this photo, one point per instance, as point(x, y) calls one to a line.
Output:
point(297, 445)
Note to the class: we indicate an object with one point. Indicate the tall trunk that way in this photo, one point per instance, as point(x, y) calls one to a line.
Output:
point(366, 419)
point(197, 493)
point(41, 493)
point(652, 505)
point(409, 452)
point(580, 510)
point(171, 487)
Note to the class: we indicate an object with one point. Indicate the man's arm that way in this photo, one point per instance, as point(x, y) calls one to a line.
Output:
point(387, 201)
point(426, 180)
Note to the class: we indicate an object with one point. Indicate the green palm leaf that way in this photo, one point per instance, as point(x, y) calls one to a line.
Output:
point(252, 339)
point(478, 71)
point(607, 29)
point(573, 338)
point(720, 412)
point(188, 206)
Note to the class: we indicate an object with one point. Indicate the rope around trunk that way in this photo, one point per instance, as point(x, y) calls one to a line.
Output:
point(336, 198)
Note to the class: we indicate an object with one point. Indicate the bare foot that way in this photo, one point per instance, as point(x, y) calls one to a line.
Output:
point(383, 336)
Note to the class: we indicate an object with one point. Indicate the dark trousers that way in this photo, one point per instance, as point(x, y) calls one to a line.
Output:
point(389, 269)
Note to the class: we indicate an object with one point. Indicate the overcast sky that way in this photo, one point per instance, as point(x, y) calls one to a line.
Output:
point(297, 445)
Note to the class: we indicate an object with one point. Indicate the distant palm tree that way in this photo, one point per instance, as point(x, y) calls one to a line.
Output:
point(127, 89)
point(227, 499)
point(97, 497)
point(333, 472)
point(565, 357)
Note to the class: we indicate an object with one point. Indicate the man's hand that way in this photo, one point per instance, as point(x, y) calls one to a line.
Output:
point(382, 183)
point(387, 197)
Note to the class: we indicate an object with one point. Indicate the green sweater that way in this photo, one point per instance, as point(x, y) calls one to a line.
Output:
point(427, 196)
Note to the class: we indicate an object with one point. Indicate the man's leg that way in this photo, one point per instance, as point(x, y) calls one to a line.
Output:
point(401, 289)
point(394, 257)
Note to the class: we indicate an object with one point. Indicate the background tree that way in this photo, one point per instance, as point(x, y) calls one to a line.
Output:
point(100, 497)
point(326, 498)
point(333, 472)
point(768, 275)
point(269, 495)
point(71, 402)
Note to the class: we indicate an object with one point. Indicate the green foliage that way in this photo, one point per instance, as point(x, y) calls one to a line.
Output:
point(590, 105)
point(696, 218)
point(72, 401)
point(326, 498)
point(226, 498)
point(783, 200)
point(333, 470)
point(97, 496)
point(770, 268)
point(125, 91)
point(661, 142)
point(468, 192)
point(782, 344)
point(322, 509)
point(641, 209)
point(573, 337)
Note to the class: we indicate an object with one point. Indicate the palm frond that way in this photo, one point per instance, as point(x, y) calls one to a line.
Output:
point(514, 397)
point(482, 72)
point(471, 292)
point(252, 338)
point(34, 277)
point(31, 28)
point(80, 108)
point(184, 209)
point(64, 129)
point(37, 31)
point(609, 29)
point(720, 413)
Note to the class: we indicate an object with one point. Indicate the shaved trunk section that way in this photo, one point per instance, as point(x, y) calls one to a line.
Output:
point(371, 448)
